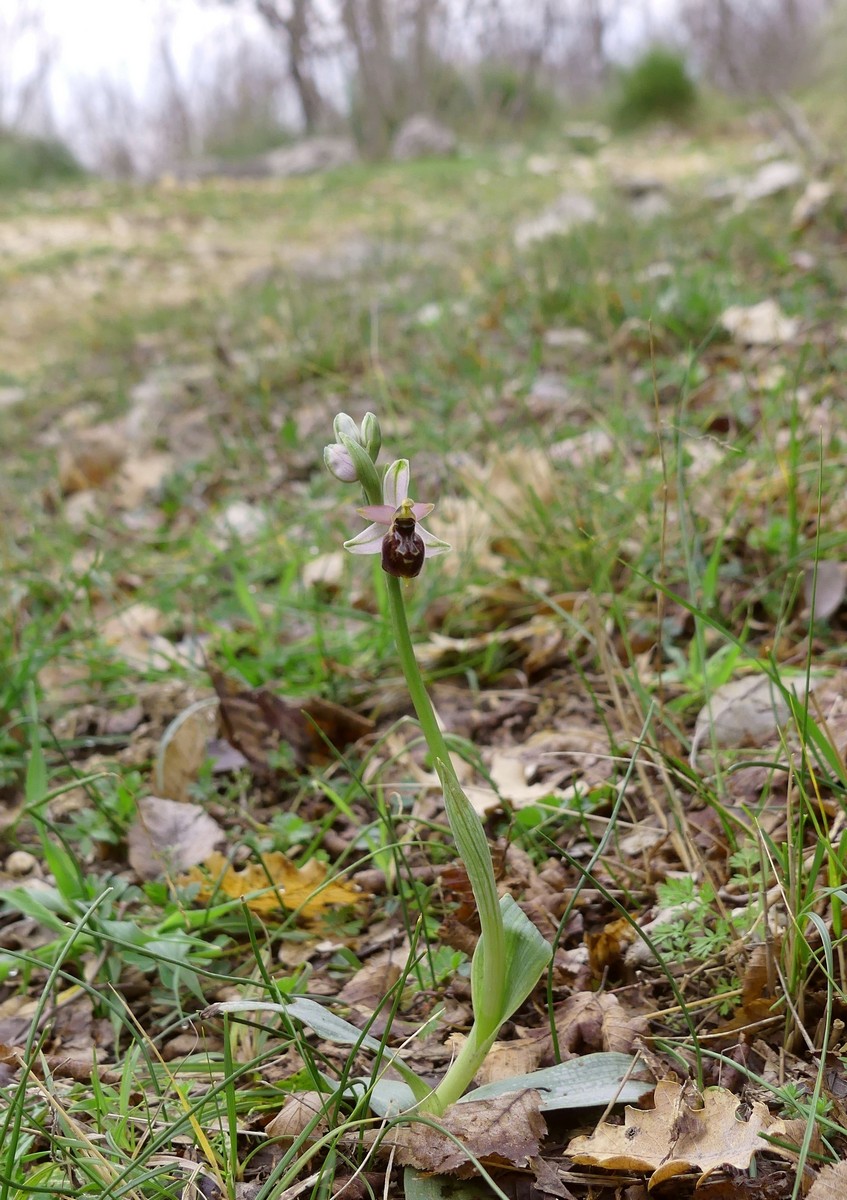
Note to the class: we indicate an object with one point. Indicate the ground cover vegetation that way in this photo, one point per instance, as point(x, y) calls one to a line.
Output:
point(241, 897)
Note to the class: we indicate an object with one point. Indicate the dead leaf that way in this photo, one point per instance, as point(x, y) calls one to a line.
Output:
point(606, 949)
point(826, 584)
point(257, 722)
point(326, 571)
point(506, 1059)
point(239, 522)
point(167, 837)
point(548, 1180)
point(738, 1185)
point(762, 324)
point(758, 1003)
point(743, 712)
point(509, 777)
point(296, 1113)
point(592, 1021)
point(583, 449)
point(505, 1130)
point(135, 635)
point(778, 175)
point(831, 1184)
point(678, 1135)
point(87, 460)
point(467, 525)
point(367, 989)
point(274, 883)
point(182, 751)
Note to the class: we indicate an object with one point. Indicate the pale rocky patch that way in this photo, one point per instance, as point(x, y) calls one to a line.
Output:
point(762, 324)
point(571, 210)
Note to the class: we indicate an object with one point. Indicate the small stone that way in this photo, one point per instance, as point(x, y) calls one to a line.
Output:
point(21, 862)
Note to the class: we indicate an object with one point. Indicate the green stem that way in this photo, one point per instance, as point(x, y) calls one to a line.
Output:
point(472, 844)
point(466, 1064)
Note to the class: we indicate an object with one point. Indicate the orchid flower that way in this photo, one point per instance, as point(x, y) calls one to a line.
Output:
point(404, 546)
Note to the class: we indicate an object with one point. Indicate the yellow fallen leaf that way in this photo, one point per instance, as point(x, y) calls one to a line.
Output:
point(276, 882)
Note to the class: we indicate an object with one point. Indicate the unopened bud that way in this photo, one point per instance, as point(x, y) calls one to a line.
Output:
point(371, 435)
point(339, 463)
point(347, 427)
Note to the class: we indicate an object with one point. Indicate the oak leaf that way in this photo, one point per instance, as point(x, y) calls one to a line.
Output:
point(275, 883)
point(682, 1133)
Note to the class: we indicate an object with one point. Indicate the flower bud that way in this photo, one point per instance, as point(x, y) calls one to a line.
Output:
point(339, 463)
point(344, 425)
point(371, 435)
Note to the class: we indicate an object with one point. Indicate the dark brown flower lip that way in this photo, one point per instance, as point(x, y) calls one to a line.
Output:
point(403, 549)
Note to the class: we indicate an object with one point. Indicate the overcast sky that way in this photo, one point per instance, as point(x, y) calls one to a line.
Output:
point(92, 36)
point(120, 40)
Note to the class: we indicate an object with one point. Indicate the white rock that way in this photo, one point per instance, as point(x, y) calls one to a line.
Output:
point(239, 520)
point(423, 137)
point(763, 324)
point(771, 179)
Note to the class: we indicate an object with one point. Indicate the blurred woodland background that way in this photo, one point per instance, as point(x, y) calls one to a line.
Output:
point(228, 79)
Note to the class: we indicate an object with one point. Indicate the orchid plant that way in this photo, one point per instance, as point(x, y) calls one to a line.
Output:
point(511, 953)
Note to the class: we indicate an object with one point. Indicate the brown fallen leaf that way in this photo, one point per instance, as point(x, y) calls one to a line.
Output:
point(679, 1135)
point(506, 1059)
point(367, 989)
point(504, 1130)
point(87, 459)
point(744, 712)
point(758, 999)
point(257, 722)
point(182, 751)
point(831, 1184)
point(296, 1113)
point(273, 884)
point(167, 837)
point(592, 1021)
point(548, 1181)
point(607, 947)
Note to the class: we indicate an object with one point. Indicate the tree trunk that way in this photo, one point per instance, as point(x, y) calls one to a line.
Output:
point(294, 32)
